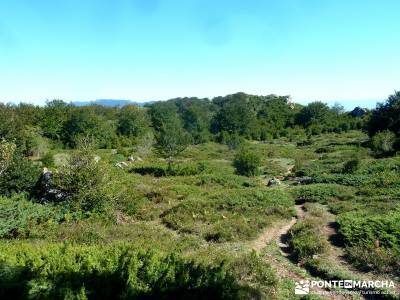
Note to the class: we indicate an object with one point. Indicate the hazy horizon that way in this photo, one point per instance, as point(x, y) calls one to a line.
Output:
point(347, 104)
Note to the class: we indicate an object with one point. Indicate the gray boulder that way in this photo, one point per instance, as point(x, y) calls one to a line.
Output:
point(359, 112)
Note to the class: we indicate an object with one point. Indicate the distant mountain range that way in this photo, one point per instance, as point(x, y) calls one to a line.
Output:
point(110, 102)
point(348, 104)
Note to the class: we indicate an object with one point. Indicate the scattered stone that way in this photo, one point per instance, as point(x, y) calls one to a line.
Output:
point(97, 158)
point(121, 165)
point(132, 159)
point(274, 181)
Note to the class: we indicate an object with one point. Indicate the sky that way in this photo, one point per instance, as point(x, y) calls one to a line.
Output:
point(328, 50)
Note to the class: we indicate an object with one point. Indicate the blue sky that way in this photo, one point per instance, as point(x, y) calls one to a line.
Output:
point(344, 50)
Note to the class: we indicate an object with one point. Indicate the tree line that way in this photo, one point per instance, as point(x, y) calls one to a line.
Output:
point(187, 120)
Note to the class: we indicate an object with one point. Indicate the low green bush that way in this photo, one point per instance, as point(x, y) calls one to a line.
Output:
point(186, 169)
point(356, 180)
point(375, 259)
point(19, 217)
point(247, 163)
point(351, 166)
point(113, 272)
point(361, 229)
point(83, 183)
point(229, 181)
point(175, 169)
point(305, 240)
point(20, 176)
point(321, 193)
point(382, 143)
point(380, 165)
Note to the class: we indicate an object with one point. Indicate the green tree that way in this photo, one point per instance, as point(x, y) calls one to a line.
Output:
point(171, 140)
point(84, 122)
point(196, 120)
point(54, 116)
point(12, 127)
point(83, 181)
point(386, 116)
point(162, 113)
point(237, 114)
point(315, 113)
point(132, 121)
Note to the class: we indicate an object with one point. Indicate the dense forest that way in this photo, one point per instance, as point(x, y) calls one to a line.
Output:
point(86, 191)
point(221, 119)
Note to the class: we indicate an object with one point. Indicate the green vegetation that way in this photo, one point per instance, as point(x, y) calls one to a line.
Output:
point(369, 230)
point(229, 216)
point(247, 163)
point(169, 200)
point(81, 272)
point(306, 239)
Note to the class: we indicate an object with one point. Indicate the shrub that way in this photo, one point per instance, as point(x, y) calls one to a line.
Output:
point(114, 272)
point(351, 166)
point(305, 240)
point(379, 260)
point(321, 193)
point(82, 182)
point(20, 176)
point(123, 152)
point(173, 169)
point(48, 160)
point(361, 229)
point(356, 180)
point(228, 181)
point(233, 140)
point(247, 163)
point(188, 169)
point(19, 217)
point(382, 143)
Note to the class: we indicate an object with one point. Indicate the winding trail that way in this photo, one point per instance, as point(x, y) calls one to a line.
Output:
point(284, 268)
point(277, 232)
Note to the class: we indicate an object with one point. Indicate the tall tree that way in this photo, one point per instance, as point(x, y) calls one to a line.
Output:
point(386, 116)
point(132, 121)
point(54, 116)
point(314, 113)
point(171, 140)
point(83, 122)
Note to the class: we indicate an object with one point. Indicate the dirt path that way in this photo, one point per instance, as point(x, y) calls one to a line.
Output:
point(277, 235)
point(277, 232)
